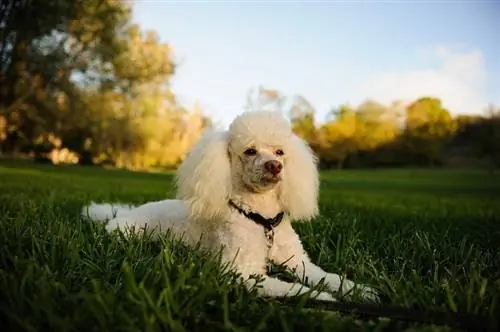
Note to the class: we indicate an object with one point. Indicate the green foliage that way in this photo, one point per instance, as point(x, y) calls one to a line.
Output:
point(479, 136)
point(422, 133)
point(339, 138)
point(428, 127)
point(81, 76)
point(426, 239)
point(81, 83)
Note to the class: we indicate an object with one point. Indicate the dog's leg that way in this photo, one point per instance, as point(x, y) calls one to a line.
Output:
point(248, 259)
point(274, 287)
point(290, 253)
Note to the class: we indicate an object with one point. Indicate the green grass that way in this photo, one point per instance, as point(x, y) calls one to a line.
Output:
point(425, 238)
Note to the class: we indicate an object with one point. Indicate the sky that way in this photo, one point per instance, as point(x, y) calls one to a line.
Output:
point(330, 52)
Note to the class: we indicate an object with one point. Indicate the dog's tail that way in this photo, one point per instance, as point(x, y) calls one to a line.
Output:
point(105, 211)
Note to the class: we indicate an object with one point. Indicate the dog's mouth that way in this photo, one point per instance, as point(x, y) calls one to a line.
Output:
point(271, 179)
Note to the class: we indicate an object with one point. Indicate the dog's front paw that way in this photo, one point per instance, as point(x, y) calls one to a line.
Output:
point(367, 293)
point(323, 296)
point(350, 288)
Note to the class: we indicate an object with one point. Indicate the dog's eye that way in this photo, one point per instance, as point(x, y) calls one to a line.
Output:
point(279, 152)
point(250, 152)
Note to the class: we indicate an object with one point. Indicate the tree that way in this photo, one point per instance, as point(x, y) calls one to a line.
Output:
point(429, 126)
point(377, 125)
point(301, 113)
point(44, 45)
point(481, 135)
point(265, 98)
point(490, 139)
point(337, 138)
point(299, 110)
point(79, 75)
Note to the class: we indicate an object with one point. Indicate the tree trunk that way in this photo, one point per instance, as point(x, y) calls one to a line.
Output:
point(85, 159)
point(340, 163)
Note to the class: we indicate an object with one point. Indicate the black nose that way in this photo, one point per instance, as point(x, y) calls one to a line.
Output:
point(273, 166)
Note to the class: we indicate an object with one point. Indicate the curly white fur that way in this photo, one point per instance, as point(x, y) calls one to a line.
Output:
point(235, 164)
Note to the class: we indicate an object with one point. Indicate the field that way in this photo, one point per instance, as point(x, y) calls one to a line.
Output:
point(428, 239)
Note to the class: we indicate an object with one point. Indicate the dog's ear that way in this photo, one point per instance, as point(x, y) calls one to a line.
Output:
point(300, 186)
point(204, 177)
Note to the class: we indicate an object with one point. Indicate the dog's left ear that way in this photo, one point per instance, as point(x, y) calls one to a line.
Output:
point(300, 186)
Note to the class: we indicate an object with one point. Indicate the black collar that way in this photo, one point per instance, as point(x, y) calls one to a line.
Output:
point(267, 223)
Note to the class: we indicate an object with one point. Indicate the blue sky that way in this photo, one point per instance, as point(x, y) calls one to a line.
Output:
point(330, 52)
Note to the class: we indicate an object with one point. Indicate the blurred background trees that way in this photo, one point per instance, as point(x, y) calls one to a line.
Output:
point(422, 133)
point(78, 78)
point(80, 83)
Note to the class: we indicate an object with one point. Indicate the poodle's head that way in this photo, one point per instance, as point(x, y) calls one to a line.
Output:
point(258, 153)
point(258, 145)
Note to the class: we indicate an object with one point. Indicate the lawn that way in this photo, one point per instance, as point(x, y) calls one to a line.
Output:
point(428, 239)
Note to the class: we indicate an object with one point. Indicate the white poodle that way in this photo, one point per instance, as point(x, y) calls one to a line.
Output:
point(241, 189)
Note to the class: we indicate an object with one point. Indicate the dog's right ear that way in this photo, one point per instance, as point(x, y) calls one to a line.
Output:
point(204, 177)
